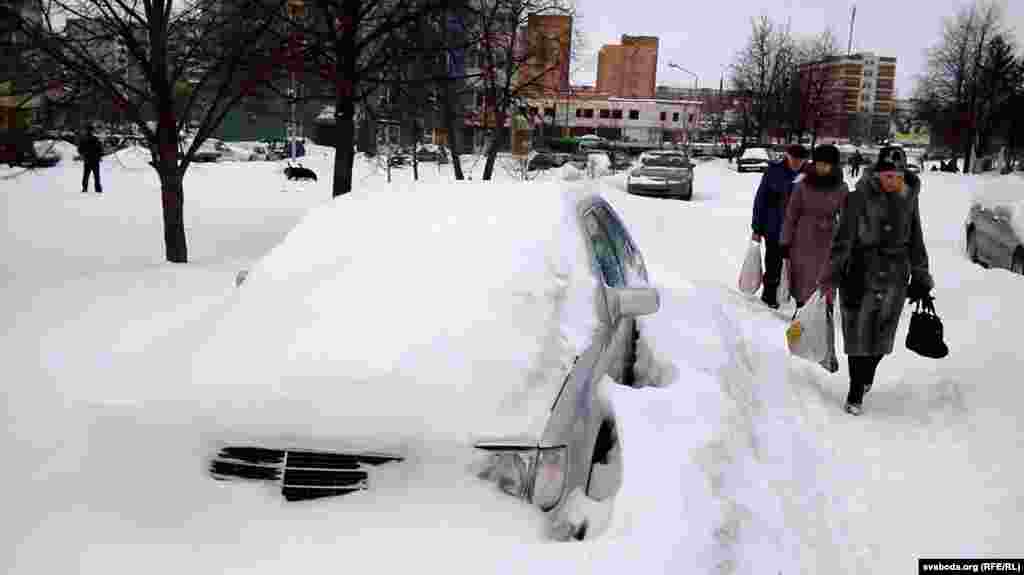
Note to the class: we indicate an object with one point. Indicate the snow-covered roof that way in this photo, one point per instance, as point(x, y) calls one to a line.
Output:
point(453, 311)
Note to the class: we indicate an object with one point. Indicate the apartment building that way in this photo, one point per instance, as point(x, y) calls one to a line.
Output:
point(629, 69)
point(851, 97)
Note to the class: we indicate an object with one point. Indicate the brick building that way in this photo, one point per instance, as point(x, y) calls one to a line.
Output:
point(629, 69)
point(549, 46)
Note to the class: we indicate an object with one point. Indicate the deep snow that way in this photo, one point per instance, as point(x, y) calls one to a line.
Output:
point(738, 460)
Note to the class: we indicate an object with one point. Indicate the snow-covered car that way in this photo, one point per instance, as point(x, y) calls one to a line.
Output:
point(495, 371)
point(754, 158)
point(668, 174)
point(994, 232)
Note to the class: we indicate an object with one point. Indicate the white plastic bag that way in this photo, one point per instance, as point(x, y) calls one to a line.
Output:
point(750, 273)
point(782, 294)
point(807, 334)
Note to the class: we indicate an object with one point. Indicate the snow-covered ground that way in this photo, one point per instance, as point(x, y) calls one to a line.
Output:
point(739, 461)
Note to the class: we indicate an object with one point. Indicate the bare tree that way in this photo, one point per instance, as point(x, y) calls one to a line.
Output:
point(139, 54)
point(514, 63)
point(951, 87)
point(763, 69)
point(817, 82)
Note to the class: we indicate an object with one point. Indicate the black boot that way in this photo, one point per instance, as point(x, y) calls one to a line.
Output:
point(769, 296)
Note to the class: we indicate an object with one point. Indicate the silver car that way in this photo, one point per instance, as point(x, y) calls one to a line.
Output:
point(668, 174)
point(569, 468)
point(991, 239)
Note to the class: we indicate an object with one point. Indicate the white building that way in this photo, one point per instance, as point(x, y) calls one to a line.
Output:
point(628, 119)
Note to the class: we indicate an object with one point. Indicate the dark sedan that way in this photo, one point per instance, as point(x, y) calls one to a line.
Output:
point(992, 239)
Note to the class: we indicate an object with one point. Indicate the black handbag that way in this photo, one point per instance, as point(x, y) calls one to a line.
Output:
point(925, 334)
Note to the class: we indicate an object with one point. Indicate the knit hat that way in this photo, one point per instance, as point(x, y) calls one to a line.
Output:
point(890, 158)
point(826, 153)
point(797, 151)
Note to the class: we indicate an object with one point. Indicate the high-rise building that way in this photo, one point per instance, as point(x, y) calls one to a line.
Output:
point(849, 97)
point(629, 69)
point(549, 49)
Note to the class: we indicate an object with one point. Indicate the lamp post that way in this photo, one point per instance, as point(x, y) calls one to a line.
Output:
point(696, 88)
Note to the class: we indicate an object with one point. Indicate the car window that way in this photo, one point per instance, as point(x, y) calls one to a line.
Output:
point(625, 251)
point(605, 258)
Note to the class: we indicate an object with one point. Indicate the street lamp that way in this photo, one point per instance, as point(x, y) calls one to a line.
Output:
point(696, 79)
point(696, 88)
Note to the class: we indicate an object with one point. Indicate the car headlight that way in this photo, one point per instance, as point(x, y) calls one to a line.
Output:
point(532, 474)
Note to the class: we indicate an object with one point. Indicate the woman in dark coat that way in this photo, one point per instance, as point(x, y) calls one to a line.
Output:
point(878, 248)
point(808, 228)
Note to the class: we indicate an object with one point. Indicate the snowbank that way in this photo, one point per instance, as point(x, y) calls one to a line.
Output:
point(455, 319)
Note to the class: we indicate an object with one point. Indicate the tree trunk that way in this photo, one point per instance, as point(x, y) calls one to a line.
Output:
point(172, 195)
point(171, 189)
point(343, 151)
point(453, 133)
point(496, 143)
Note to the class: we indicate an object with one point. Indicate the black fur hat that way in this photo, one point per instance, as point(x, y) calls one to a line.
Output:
point(826, 153)
point(891, 158)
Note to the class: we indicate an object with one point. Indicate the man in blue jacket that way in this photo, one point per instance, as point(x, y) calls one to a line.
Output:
point(770, 211)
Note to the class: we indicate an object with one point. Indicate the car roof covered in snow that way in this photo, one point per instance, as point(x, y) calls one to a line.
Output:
point(450, 310)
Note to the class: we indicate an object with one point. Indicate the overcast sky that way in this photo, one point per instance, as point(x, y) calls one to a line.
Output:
point(704, 35)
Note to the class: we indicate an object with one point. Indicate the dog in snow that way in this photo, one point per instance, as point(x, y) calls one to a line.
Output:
point(299, 173)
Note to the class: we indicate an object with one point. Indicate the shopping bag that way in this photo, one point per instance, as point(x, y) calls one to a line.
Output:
point(782, 294)
point(750, 273)
point(807, 334)
point(924, 337)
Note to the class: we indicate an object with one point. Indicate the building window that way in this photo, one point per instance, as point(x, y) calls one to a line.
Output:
point(634, 114)
point(603, 114)
point(579, 112)
point(664, 116)
point(616, 114)
point(549, 112)
point(588, 112)
point(675, 116)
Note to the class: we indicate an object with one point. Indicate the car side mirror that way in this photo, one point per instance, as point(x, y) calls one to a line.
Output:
point(633, 302)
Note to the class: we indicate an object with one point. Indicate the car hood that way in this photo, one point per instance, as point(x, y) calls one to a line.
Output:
point(465, 327)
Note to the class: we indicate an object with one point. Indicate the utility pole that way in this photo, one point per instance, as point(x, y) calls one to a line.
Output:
point(853, 18)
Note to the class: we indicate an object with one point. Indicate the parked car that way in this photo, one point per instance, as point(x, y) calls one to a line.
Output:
point(431, 153)
point(992, 236)
point(668, 174)
point(754, 158)
point(545, 160)
point(580, 160)
point(549, 437)
point(621, 161)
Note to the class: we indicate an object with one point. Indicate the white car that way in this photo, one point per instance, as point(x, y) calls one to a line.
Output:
point(754, 158)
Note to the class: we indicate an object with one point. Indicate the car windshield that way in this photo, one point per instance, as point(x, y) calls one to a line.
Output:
point(756, 154)
point(665, 161)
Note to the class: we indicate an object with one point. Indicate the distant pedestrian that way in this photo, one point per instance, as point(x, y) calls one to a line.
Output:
point(878, 247)
point(769, 213)
point(856, 159)
point(813, 208)
point(91, 151)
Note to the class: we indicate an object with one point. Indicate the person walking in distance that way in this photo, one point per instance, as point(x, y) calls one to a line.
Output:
point(878, 247)
point(817, 198)
point(91, 151)
point(769, 212)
